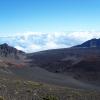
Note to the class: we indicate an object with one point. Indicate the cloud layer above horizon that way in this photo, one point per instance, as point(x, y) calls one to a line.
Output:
point(38, 41)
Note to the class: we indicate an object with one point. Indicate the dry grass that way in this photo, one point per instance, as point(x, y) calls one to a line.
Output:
point(17, 89)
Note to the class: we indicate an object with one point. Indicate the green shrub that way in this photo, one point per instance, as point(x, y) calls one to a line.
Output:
point(50, 97)
point(1, 98)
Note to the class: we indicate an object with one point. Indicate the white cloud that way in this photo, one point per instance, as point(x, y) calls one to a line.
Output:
point(34, 47)
point(53, 45)
point(19, 48)
point(83, 36)
point(37, 41)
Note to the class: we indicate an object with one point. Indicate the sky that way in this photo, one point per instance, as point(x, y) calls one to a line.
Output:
point(49, 15)
point(25, 18)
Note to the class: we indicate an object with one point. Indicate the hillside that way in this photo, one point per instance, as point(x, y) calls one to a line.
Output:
point(59, 74)
point(80, 62)
point(19, 89)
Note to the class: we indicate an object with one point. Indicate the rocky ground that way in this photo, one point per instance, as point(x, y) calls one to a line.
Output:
point(19, 89)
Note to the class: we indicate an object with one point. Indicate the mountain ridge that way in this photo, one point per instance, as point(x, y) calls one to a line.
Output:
point(80, 62)
point(78, 65)
point(90, 43)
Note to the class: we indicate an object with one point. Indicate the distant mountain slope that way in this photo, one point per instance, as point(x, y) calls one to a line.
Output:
point(10, 57)
point(77, 67)
point(90, 43)
point(82, 62)
point(6, 50)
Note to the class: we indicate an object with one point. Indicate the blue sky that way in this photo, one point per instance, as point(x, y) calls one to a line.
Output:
point(49, 15)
